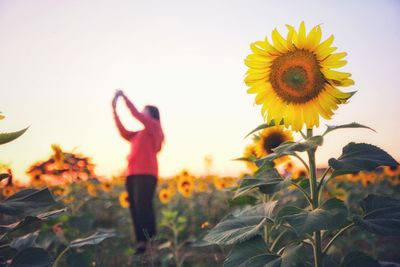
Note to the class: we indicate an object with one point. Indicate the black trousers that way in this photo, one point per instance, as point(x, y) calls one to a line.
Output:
point(141, 190)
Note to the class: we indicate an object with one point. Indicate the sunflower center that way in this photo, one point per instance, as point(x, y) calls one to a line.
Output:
point(273, 141)
point(296, 76)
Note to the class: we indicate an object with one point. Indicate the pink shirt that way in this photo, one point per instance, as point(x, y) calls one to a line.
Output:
point(145, 144)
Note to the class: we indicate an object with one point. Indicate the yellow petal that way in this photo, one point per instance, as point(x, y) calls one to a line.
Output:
point(313, 38)
point(301, 38)
point(279, 42)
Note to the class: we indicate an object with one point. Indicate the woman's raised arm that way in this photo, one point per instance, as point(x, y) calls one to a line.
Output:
point(146, 120)
point(127, 135)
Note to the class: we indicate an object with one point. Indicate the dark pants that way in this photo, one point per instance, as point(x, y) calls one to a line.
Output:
point(141, 192)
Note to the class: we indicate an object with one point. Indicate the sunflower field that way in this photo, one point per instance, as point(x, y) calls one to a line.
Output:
point(283, 211)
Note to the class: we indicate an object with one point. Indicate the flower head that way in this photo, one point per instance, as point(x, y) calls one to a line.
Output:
point(294, 78)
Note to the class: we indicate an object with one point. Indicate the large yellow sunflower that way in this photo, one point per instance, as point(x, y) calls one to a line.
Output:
point(271, 138)
point(293, 78)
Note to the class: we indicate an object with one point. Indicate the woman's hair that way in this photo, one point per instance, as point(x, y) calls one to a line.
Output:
point(153, 111)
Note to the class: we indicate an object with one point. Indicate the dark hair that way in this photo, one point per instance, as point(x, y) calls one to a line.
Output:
point(154, 113)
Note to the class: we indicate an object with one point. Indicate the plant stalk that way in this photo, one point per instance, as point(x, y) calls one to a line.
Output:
point(315, 203)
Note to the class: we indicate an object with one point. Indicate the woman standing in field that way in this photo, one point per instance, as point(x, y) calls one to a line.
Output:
point(142, 170)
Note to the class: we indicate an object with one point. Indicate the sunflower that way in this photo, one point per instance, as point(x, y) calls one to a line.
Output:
point(293, 78)
point(271, 138)
point(201, 185)
point(106, 186)
point(124, 199)
point(165, 195)
point(185, 185)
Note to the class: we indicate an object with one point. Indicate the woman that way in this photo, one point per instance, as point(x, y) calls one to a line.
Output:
point(142, 168)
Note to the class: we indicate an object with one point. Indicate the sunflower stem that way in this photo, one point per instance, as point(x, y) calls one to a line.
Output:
point(315, 203)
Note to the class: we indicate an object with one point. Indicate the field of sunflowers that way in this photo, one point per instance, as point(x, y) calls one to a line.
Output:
point(284, 211)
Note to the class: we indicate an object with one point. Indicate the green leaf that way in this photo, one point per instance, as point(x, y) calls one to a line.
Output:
point(235, 229)
point(24, 242)
point(242, 201)
point(8, 137)
point(290, 148)
point(331, 128)
point(29, 222)
point(293, 255)
point(264, 126)
point(360, 157)
point(330, 216)
point(251, 253)
point(357, 259)
point(268, 181)
point(94, 239)
point(381, 215)
point(32, 257)
point(4, 176)
point(27, 201)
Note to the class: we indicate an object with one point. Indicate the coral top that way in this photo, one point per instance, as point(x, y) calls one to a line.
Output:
point(145, 144)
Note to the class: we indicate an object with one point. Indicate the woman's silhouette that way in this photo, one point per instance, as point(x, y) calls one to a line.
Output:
point(142, 170)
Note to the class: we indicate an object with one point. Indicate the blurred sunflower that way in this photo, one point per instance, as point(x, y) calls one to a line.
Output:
point(8, 191)
point(271, 138)
point(165, 195)
point(201, 185)
point(61, 191)
point(299, 174)
point(293, 78)
point(106, 186)
point(185, 185)
point(222, 183)
point(391, 170)
point(91, 189)
point(250, 153)
point(124, 199)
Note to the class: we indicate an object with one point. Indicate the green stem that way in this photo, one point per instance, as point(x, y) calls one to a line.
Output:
point(277, 239)
point(57, 261)
point(266, 226)
point(302, 161)
point(315, 203)
point(321, 182)
point(336, 236)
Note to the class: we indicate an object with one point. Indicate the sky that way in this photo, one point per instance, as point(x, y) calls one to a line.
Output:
point(61, 61)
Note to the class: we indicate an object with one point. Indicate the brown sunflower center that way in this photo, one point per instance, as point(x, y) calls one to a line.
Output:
point(296, 76)
point(272, 141)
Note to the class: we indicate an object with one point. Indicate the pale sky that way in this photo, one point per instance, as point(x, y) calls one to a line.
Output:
point(60, 62)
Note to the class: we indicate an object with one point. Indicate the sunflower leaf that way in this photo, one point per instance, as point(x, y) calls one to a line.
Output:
point(27, 201)
point(330, 216)
point(8, 137)
point(360, 157)
point(331, 128)
point(381, 215)
point(268, 181)
point(358, 258)
point(33, 257)
point(264, 126)
point(290, 148)
point(234, 229)
point(250, 253)
point(94, 239)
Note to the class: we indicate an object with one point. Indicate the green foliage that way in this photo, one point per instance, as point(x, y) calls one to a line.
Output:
point(357, 258)
point(27, 201)
point(329, 216)
point(93, 239)
point(381, 215)
point(235, 229)
point(258, 236)
point(352, 125)
point(8, 137)
point(250, 253)
point(32, 257)
point(360, 157)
